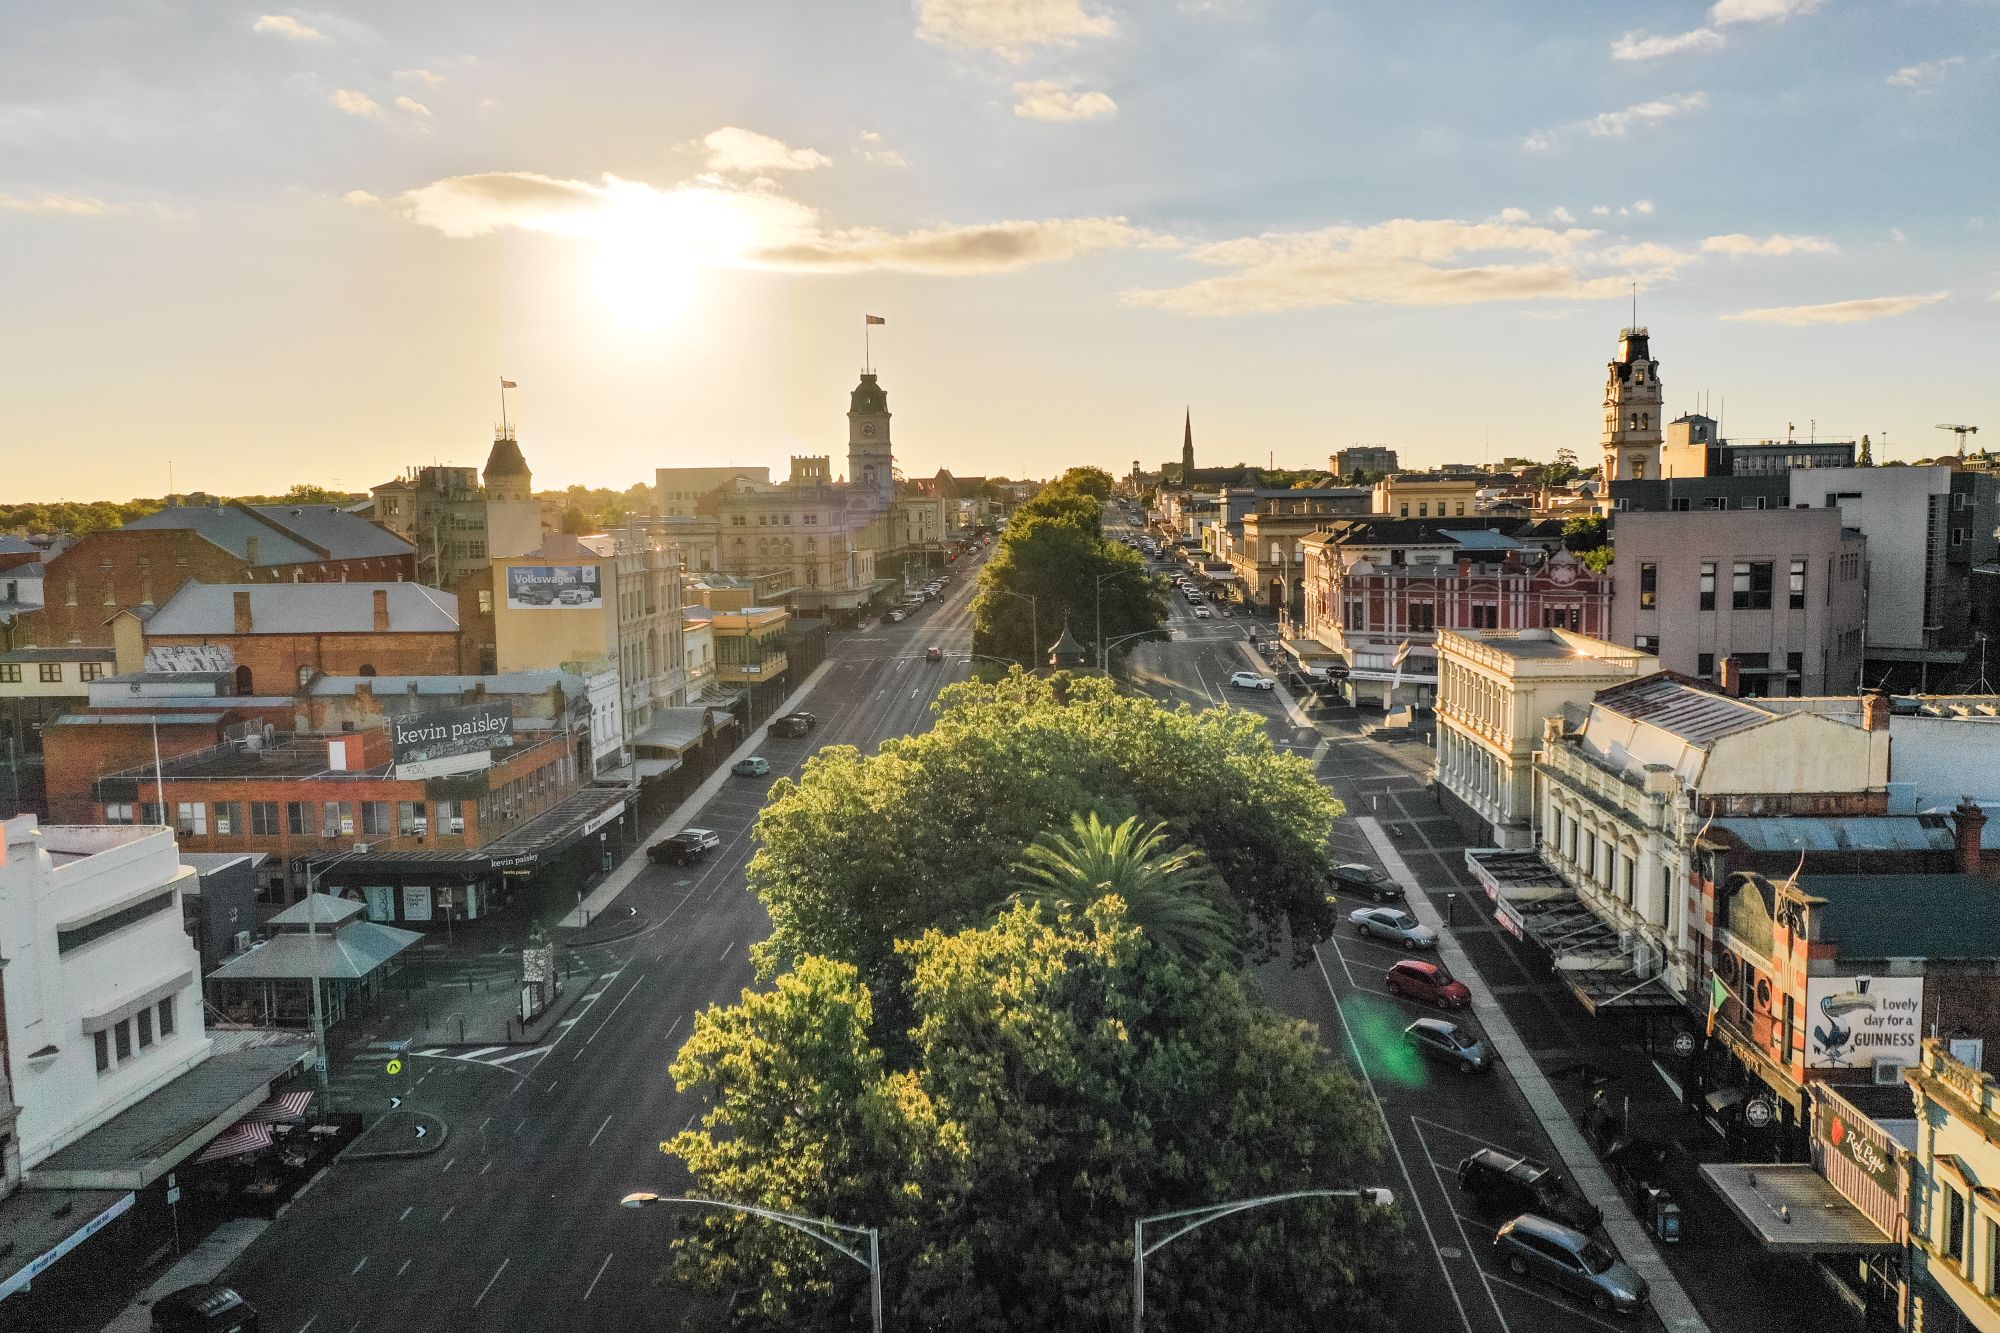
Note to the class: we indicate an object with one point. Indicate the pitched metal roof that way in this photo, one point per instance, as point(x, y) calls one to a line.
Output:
point(306, 608)
point(285, 534)
point(350, 953)
point(231, 529)
point(1850, 833)
point(1687, 708)
point(342, 535)
point(1907, 916)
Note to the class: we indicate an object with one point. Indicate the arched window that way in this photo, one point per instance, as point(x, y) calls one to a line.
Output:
point(243, 681)
point(367, 669)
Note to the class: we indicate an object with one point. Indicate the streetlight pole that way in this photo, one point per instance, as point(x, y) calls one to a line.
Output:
point(1193, 1218)
point(1098, 638)
point(1034, 620)
point(313, 872)
point(826, 1233)
point(1104, 653)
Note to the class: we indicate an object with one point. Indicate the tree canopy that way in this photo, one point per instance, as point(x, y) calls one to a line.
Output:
point(1169, 892)
point(1054, 552)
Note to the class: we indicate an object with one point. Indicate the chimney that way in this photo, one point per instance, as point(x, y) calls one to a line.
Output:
point(242, 610)
point(1875, 710)
point(1730, 677)
point(250, 550)
point(1969, 822)
point(381, 608)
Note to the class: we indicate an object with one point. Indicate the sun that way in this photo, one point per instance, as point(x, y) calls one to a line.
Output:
point(652, 248)
point(645, 287)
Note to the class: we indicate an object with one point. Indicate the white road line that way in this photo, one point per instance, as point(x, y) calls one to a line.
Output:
point(599, 1134)
point(491, 1280)
point(406, 1212)
point(308, 1324)
point(1387, 1133)
point(1460, 1223)
point(517, 1055)
point(1341, 954)
point(1484, 1143)
point(608, 1017)
point(448, 1212)
point(482, 1051)
point(358, 1267)
point(690, 1124)
point(404, 1269)
point(1561, 1304)
point(674, 1027)
point(725, 950)
point(600, 1273)
point(449, 1165)
point(484, 1123)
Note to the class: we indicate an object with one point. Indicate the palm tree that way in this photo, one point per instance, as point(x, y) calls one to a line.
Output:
point(1169, 894)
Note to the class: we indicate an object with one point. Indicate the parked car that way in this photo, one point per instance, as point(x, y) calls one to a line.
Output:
point(810, 719)
point(1201, 613)
point(1250, 680)
point(756, 766)
point(1392, 923)
point(897, 617)
point(684, 848)
point(206, 1308)
point(1429, 982)
point(1447, 1043)
point(1565, 1257)
point(790, 725)
point(934, 654)
point(1368, 882)
point(1507, 1182)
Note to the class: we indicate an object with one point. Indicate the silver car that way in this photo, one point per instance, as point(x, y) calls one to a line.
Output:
point(1571, 1260)
point(1392, 923)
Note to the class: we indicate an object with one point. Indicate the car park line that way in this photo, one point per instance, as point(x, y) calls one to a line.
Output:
point(1474, 1138)
point(1459, 1221)
point(1565, 1306)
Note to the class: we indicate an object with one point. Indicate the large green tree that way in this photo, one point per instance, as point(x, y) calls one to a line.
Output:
point(862, 851)
point(1169, 892)
point(1065, 1078)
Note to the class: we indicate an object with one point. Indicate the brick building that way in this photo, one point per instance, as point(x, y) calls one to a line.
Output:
point(143, 564)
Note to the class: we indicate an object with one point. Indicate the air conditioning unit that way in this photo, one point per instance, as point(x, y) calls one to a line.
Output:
point(1888, 1072)
point(242, 941)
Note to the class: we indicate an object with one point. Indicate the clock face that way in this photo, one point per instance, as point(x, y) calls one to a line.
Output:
point(1562, 575)
point(868, 429)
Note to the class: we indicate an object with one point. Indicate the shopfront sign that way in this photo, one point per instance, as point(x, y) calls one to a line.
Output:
point(1852, 1022)
point(599, 820)
point(416, 902)
point(450, 740)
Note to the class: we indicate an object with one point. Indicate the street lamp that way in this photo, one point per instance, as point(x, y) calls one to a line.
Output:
point(1193, 1218)
point(1104, 653)
point(313, 872)
point(826, 1233)
point(1098, 637)
point(1034, 619)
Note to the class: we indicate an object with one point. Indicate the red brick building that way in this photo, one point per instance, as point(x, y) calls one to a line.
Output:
point(145, 563)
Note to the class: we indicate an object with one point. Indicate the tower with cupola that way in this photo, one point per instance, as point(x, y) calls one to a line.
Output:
point(870, 464)
point(1633, 420)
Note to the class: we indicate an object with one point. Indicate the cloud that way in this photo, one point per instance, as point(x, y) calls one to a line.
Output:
point(68, 205)
point(1726, 12)
point(873, 150)
point(1010, 28)
point(1840, 312)
point(1737, 245)
point(425, 77)
point(1641, 206)
point(1923, 77)
point(1562, 215)
point(1046, 99)
point(746, 152)
point(1649, 46)
point(355, 103)
point(281, 25)
point(1412, 262)
point(1617, 124)
point(359, 199)
point(755, 227)
point(1896, 235)
point(414, 107)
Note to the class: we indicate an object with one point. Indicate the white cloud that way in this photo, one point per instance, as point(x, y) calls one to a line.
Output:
point(1736, 244)
point(1923, 77)
point(283, 25)
point(1896, 235)
point(1562, 215)
point(1649, 46)
point(875, 151)
point(1641, 206)
point(355, 103)
point(1010, 28)
point(414, 107)
point(1511, 215)
point(1412, 262)
point(360, 199)
point(757, 227)
point(1617, 124)
point(427, 78)
point(748, 153)
point(1726, 12)
point(1600, 210)
point(1046, 99)
point(69, 205)
point(1840, 312)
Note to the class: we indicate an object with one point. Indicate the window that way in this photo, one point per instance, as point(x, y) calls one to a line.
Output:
point(736, 520)
point(1708, 585)
point(451, 816)
point(1649, 586)
point(1403, 510)
point(1423, 616)
point(1958, 537)
point(264, 819)
point(122, 1037)
point(75, 937)
point(95, 670)
point(51, 673)
point(295, 818)
point(191, 819)
point(1705, 666)
point(1795, 665)
point(1750, 585)
point(411, 821)
point(1423, 509)
point(1952, 1243)
point(1647, 643)
point(1357, 614)
point(166, 1012)
point(1679, 504)
point(117, 813)
point(1461, 509)
point(1626, 870)
point(339, 819)
point(145, 1017)
point(1797, 586)
point(486, 601)
point(10, 673)
point(1485, 615)
point(103, 1043)
point(151, 814)
point(375, 817)
point(228, 818)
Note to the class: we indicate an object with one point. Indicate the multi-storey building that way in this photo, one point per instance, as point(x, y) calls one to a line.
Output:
point(1695, 448)
point(1634, 415)
point(1955, 1222)
point(1427, 495)
point(455, 525)
point(1781, 593)
point(680, 489)
point(1359, 459)
point(37, 686)
point(1258, 531)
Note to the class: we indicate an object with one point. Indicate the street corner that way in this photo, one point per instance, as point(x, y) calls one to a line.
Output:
point(397, 1135)
point(621, 922)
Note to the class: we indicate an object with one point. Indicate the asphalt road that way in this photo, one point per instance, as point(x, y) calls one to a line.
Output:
point(513, 1224)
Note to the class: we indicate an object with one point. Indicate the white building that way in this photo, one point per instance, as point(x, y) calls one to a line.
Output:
point(1955, 1220)
point(1496, 688)
point(1905, 514)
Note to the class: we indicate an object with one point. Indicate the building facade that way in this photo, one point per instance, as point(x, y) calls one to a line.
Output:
point(454, 524)
point(681, 489)
point(1634, 416)
point(1427, 495)
point(1955, 1227)
point(1360, 459)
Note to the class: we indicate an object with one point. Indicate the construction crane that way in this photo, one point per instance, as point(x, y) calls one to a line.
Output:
point(1961, 432)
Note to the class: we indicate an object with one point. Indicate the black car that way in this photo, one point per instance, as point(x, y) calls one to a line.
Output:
point(1510, 1184)
point(810, 719)
point(206, 1308)
point(683, 848)
point(789, 725)
point(1366, 882)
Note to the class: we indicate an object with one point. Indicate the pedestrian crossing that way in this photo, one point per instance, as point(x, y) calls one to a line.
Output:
point(498, 1056)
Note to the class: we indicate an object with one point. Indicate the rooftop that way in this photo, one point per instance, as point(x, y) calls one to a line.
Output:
point(59, 655)
point(506, 682)
point(1547, 645)
point(1685, 707)
point(306, 608)
point(1907, 916)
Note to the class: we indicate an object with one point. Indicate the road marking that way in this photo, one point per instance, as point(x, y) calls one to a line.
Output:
point(600, 1273)
point(690, 1124)
point(406, 1212)
point(608, 1017)
point(449, 1165)
point(1562, 1304)
point(675, 1027)
point(1401, 1165)
point(488, 1167)
point(484, 1123)
point(358, 1267)
point(1484, 1143)
point(308, 1324)
point(491, 1280)
point(448, 1212)
point(482, 1051)
point(517, 1055)
point(518, 1128)
point(725, 950)
point(600, 1133)
point(404, 1269)
point(1460, 1223)
point(550, 1088)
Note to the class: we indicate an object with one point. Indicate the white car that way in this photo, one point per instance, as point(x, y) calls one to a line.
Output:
point(1250, 680)
point(1393, 924)
point(1201, 613)
point(896, 617)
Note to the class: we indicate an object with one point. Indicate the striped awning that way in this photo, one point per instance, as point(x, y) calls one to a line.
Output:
point(242, 1137)
point(282, 1109)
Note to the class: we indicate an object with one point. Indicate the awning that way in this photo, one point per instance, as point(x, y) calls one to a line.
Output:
point(351, 953)
point(554, 831)
point(1792, 1209)
point(283, 1109)
point(675, 729)
point(652, 768)
point(43, 1225)
point(248, 1137)
point(1531, 901)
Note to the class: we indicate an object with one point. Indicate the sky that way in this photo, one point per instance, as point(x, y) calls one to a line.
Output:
point(263, 246)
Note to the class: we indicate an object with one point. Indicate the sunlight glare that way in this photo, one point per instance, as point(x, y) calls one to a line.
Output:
point(652, 247)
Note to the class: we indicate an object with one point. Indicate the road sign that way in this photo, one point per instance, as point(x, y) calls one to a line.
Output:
point(1759, 1112)
point(173, 1195)
point(395, 1066)
point(1684, 1043)
point(319, 1064)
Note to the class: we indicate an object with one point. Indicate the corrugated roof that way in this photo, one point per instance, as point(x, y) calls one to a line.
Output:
point(232, 529)
point(306, 608)
point(1854, 833)
point(506, 682)
point(350, 953)
point(1907, 916)
point(344, 536)
point(59, 655)
point(15, 546)
point(286, 534)
point(1682, 706)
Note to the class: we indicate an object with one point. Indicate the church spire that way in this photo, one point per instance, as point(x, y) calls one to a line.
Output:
point(1187, 444)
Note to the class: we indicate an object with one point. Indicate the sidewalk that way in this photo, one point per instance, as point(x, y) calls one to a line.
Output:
point(619, 879)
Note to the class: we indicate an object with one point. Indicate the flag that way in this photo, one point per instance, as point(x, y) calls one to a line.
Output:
point(509, 384)
point(1717, 993)
point(875, 319)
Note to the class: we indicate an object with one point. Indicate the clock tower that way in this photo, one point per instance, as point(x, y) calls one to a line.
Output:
point(1633, 421)
point(870, 465)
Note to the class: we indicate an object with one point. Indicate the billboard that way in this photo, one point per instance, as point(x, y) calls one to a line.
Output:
point(1851, 1022)
point(552, 587)
point(450, 740)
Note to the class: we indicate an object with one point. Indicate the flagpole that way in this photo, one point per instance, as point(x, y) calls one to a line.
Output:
point(503, 407)
point(867, 351)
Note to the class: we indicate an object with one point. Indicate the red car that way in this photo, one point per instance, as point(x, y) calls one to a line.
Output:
point(1412, 979)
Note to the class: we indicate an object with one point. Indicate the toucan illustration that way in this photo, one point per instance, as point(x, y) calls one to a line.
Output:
point(1833, 1038)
